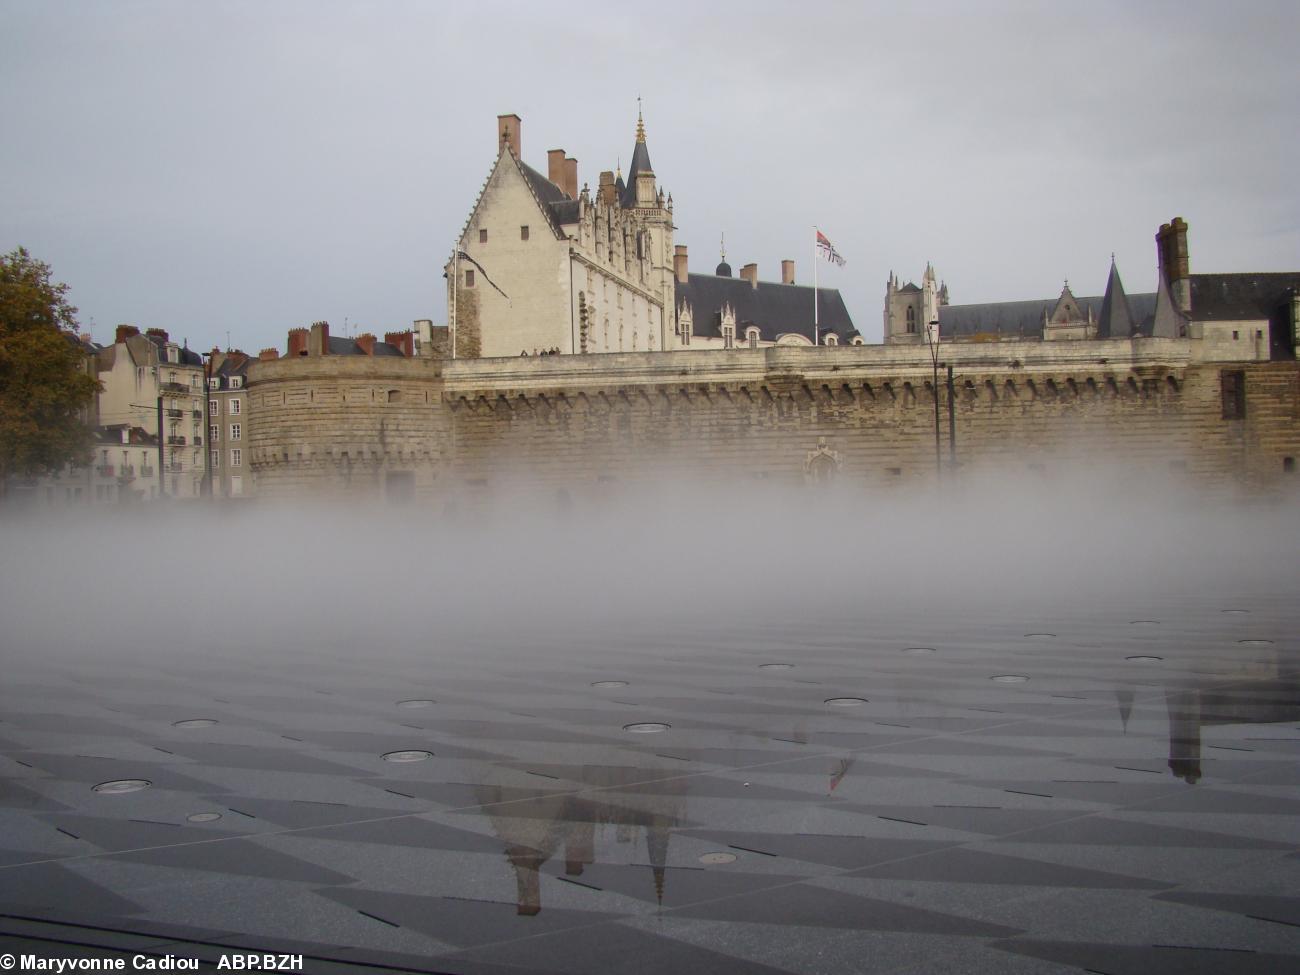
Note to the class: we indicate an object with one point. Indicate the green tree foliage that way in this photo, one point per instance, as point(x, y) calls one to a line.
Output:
point(46, 388)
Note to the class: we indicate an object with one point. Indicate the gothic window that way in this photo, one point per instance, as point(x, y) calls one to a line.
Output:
point(911, 320)
point(751, 336)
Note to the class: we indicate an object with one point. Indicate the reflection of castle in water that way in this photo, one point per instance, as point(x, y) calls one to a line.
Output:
point(535, 829)
point(1268, 699)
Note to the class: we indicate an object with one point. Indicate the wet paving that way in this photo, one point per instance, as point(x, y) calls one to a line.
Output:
point(1112, 791)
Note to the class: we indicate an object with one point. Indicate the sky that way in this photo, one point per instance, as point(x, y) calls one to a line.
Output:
point(228, 171)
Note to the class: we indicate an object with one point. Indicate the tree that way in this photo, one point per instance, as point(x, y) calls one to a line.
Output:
point(45, 387)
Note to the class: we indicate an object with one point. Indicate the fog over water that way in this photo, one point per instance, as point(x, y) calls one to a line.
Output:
point(645, 559)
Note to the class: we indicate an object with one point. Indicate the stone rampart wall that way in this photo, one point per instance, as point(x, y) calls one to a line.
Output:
point(581, 422)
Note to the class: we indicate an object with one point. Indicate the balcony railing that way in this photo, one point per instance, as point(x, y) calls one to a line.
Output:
point(126, 472)
point(176, 466)
point(175, 414)
point(198, 441)
point(146, 472)
point(105, 470)
point(176, 388)
point(176, 441)
point(198, 414)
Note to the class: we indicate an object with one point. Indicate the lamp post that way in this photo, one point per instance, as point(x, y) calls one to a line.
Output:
point(932, 339)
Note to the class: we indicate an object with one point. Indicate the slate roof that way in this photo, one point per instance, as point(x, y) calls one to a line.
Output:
point(1025, 318)
point(234, 364)
point(345, 346)
point(775, 308)
point(1116, 317)
point(1240, 297)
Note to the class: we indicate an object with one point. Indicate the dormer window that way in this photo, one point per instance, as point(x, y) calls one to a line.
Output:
point(751, 336)
point(214, 383)
point(236, 382)
point(728, 336)
point(831, 339)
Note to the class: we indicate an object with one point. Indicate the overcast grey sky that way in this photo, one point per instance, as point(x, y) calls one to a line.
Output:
point(249, 167)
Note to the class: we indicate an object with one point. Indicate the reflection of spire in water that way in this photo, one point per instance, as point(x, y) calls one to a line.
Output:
point(1124, 695)
point(656, 847)
point(837, 774)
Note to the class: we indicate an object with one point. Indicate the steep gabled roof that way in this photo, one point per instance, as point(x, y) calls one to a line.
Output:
point(777, 309)
point(547, 195)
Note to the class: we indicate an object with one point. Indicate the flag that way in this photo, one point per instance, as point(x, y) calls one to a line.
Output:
point(827, 249)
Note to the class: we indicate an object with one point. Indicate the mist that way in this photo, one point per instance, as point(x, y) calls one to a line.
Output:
point(526, 568)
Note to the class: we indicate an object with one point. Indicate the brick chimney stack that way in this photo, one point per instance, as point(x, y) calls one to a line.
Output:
point(298, 340)
point(508, 133)
point(366, 342)
point(787, 272)
point(319, 342)
point(750, 273)
point(125, 332)
point(405, 341)
point(570, 183)
point(157, 333)
point(555, 166)
point(268, 355)
point(680, 267)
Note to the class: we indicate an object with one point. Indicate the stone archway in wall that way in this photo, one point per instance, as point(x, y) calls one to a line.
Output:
point(822, 465)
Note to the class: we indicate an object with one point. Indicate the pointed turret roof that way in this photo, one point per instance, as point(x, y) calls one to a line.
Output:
point(640, 163)
point(1116, 318)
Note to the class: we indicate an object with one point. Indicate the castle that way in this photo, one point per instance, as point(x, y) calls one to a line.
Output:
point(1197, 382)
point(543, 266)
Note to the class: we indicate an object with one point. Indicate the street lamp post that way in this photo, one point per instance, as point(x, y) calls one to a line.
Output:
point(932, 338)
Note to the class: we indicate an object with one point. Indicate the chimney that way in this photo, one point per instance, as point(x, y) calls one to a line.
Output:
point(319, 342)
point(405, 341)
point(366, 343)
point(787, 272)
point(268, 355)
point(679, 263)
point(508, 133)
point(571, 178)
point(750, 273)
point(125, 332)
point(157, 333)
point(1171, 251)
point(298, 340)
point(555, 166)
point(605, 195)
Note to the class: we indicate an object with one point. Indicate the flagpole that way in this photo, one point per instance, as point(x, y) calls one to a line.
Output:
point(816, 319)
